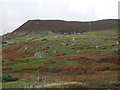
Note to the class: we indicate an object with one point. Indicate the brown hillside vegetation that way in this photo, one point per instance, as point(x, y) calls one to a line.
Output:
point(13, 53)
point(48, 25)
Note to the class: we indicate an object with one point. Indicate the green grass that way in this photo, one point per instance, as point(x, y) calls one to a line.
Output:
point(99, 83)
point(87, 39)
point(19, 84)
point(106, 83)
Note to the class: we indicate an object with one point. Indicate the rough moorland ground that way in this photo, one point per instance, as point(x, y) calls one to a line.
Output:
point(39, 60)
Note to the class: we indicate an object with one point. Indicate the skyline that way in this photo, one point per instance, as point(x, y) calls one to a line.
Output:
point(16, 13)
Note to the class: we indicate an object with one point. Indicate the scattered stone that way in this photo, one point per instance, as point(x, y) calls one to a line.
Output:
point(67, 35)
point(75, 33)
point(78, 51)
point(56, 36)
point(45, 47)
point(55, 51)
point(66, 44)
point(62, 43)
point(117, 43)
point(116, 50)
point(39, 55)
point(96, 46)
point(25, 48)
point(73, 39)
point(73, 44)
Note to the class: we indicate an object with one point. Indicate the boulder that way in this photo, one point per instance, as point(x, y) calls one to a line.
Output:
point(116, 50)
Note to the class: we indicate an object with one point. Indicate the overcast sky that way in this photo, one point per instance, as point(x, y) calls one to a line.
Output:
point(14, 13)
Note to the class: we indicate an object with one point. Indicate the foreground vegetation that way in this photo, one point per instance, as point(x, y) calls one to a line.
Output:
point(88, 59)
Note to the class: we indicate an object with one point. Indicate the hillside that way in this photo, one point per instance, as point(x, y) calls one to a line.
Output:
point(49, 59)
point(60, 26)
point(50, 25)
point(56, 60)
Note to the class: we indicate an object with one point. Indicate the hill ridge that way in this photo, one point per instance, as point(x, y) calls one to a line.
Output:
point(49, 25)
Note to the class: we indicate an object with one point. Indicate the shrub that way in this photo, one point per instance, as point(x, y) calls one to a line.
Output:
point(54, 70)
point(9, 78)
point(42, 69)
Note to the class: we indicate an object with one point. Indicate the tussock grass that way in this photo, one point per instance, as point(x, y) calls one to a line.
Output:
point(64, 85)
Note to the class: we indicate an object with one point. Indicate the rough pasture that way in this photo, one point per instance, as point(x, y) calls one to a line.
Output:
point(74, 57)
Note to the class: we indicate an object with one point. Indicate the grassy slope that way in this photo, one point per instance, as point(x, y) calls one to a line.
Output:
point(81, 54)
